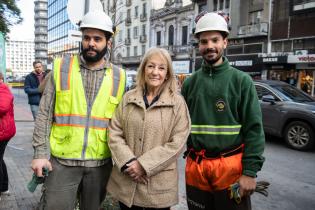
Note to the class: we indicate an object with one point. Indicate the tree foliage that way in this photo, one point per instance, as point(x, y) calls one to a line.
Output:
point(10, 15)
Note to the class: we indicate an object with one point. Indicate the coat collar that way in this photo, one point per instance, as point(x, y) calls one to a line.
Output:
point(135, 96)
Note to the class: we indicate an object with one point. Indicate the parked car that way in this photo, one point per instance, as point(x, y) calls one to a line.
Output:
point(288, 113)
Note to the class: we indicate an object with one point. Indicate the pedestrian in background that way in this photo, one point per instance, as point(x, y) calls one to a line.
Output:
point(42, 85)
point(79, 99)
point(31, 83)
point(227, 140)
point(146, 136)
point(7, 131)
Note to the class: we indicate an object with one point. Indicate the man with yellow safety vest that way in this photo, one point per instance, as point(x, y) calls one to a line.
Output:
point(227, 141)
point(80, 97)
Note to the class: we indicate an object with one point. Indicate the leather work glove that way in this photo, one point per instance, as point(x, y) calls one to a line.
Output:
point(234, 190)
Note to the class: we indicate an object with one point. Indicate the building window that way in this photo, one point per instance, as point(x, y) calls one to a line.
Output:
point(221, 4)
point(171, 35)
point(128, 13)
point(128, 33)
point(135, 51)
point(143, 49)
point(128, 51)
point(184, 35)
point(136, 11)
point(135, 32)
point(227, 4)
point(144, 8)
point(215, 5)
point(202, 7)
point(143, 29)
point(158, 38)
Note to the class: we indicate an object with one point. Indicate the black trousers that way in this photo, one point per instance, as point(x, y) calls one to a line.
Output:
point(124, 207)
point(219, 200)
point(4, 180)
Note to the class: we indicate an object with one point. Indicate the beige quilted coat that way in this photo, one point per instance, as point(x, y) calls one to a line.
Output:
point(156, 137)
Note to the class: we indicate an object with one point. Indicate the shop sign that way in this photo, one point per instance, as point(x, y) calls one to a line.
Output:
point(274, 59)
point(181, 67)
point(301, 58)
point(241, 63)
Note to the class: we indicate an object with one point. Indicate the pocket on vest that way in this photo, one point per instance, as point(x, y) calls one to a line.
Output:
point(111, 106)
point(63, 103)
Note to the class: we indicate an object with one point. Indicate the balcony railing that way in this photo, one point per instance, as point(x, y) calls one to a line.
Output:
point(127, 41)
point(143, 38)
point(128, 3)
point(253, 30)
point(128, 21)
point(143, 17)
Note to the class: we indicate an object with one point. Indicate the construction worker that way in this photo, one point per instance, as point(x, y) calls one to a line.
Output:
point(79, 99)
point(226, 142)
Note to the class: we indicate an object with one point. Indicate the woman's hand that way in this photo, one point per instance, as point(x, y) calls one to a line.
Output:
point(136, 172)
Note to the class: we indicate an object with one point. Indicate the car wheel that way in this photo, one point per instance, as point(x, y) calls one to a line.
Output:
point(299, 135)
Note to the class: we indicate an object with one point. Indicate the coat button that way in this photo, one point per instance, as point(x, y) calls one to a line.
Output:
point(139, 139)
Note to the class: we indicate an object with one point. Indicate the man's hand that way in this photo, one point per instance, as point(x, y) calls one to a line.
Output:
point(136, 172)
point(39, 164)
point(247, 185)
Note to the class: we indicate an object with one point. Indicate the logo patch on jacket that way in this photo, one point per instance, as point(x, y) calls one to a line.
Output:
point(220, 105)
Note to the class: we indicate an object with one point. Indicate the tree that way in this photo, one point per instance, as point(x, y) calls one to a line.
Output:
point(10, 15)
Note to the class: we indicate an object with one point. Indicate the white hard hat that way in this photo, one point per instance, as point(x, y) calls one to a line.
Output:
point(98, 20)
point(211, 22)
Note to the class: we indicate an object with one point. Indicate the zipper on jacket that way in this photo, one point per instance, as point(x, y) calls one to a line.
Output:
point(86, 131)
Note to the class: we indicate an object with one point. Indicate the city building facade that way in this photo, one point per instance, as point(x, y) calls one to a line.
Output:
point(292, 56)
point(132, 20)
point(171, 28)
point(19, 57)
point(40, 16)
point(59, 25)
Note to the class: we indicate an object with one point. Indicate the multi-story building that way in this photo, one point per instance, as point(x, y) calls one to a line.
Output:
point(248, 36)
point(58, 29)
point(40, 11)
point(292, 56)
point(132, 19)
point(171, 28)
point(20, 56)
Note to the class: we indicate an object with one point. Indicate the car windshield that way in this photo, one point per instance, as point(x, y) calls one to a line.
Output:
point(293, 93)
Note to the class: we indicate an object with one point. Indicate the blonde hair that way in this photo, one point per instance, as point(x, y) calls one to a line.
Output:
point(170, 82)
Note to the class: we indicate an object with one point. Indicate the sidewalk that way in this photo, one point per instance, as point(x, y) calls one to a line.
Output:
point(18, 156)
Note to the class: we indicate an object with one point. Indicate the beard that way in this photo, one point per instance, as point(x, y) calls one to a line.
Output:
point(91, 59)
point(212, 60)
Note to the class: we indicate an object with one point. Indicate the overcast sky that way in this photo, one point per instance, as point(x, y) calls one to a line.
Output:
point(25, 30)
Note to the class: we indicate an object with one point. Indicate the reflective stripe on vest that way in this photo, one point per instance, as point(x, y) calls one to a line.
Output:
point(80, 121)
point(216, 129)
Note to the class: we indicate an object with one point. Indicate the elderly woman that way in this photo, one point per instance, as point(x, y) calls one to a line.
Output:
point(146, 136)
point(7, 131)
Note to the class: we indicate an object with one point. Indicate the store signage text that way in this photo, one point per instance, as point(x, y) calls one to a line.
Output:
point(301, 58)
point(241, 63)
point(274, 59)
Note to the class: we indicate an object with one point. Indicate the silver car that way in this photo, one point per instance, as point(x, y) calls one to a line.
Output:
point(287, 112)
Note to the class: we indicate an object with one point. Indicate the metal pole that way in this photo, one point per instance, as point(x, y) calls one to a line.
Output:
point(269, 28)
point(86, 6)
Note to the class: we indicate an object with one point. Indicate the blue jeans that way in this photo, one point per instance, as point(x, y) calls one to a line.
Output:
point(34, 110)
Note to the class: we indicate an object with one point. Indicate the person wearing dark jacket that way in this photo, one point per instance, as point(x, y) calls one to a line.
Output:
point(7, 131)
point(32, 81)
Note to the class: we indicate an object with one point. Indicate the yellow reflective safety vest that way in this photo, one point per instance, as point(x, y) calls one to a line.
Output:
point(79, 132)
